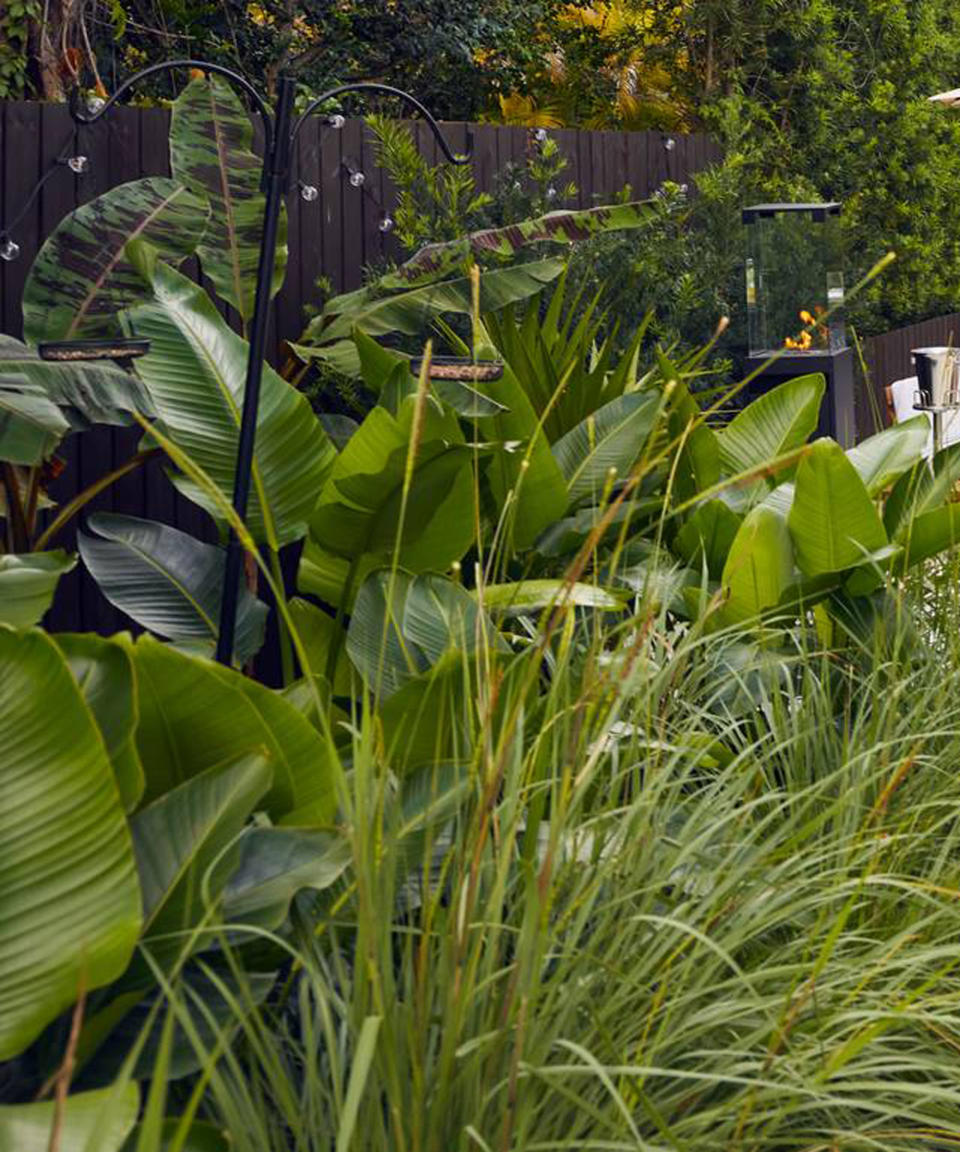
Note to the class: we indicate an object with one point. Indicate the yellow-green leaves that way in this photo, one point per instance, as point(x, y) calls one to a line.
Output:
point(833, 521)
point(71, 902)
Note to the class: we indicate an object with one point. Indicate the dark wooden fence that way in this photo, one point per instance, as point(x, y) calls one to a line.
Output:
point(336, 235)
point(887, 359)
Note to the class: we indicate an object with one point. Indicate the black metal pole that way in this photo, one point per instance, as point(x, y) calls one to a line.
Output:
point(275, 175)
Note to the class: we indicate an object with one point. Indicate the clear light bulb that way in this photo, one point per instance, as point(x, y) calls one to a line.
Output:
point(309, 192)
point(78, 164)
point(357, 179)
point(336, 120)
point(540, 135)
point(551, 193)
point(669, 143)
point(9, 249)
point(386, 224)
point(95, 104)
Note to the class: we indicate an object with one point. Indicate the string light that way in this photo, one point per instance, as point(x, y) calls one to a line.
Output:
point(337, 121)
point(669, 143)
point(357, 179)
point(386, 224)
point(540, 135)
point(309, 192)
point(67, 157)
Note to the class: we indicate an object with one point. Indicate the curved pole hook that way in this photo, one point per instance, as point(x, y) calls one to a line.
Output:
point(256, 99)
point(366, 86)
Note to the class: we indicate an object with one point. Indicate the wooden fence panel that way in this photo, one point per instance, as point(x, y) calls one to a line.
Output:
point(888, 358)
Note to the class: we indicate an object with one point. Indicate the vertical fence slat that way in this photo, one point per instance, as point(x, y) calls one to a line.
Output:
point(332, 197)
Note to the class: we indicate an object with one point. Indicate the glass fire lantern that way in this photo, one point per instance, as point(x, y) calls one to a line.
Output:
point(795, 295)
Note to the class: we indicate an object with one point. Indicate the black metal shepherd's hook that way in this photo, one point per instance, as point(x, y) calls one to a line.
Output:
point(280, 131)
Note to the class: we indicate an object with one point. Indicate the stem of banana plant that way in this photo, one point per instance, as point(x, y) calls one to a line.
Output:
point(16, 520)
point(286, 646)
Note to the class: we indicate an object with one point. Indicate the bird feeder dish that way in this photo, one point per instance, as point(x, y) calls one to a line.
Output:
point(72, 351)
point(459, 368)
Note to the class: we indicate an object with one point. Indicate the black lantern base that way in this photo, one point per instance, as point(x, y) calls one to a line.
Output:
point(838, 411)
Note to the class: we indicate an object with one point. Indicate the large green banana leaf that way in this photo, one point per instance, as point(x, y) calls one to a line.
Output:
point(28, 583)
point(610, 438)
point(759, 567)
point(304, 780)
point(31, 426)
point(195, 715)
point(562, 227)
point(274, 865)
point(773, 424)
point(354, 527)
point(698, 464)
point(321, 633)
point(833, 521)
point(211, 152)
point(167, 581)
point(83, 276)
point(403, 624)
point(92, 1122)
point(71, 902)
point(179, 838)
point(883, 458)
point(196, 374)
point(85, 394)
point(329, 336)
point(103, 671)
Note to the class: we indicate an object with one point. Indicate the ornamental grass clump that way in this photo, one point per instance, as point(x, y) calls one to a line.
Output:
point(683, 895)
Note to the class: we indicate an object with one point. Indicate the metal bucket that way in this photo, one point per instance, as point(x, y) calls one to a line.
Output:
point(938, 376)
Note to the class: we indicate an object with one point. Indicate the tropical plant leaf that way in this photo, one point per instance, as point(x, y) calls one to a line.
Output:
point(196, 374)
point(881, 459)
point(104, 674)
point(274, 865)
point(85, 393)
point(195, 715)
point(563, 227)
point(610, 438)
point(931, 533)
point(177, 840)
point(304, 778)
point(208, 995)
point(167, 581)
point(773, 424)
point(101, 1119)
point(71, 903)
point(698, 466)
point(320, 633)
point(833, 521)
point(355, 524)
point(525, 596)
point(567, 536)
point(83, 277)
point(28, 583)
point(759, 568)
point(31, 426)
point(411, 312)
point(403, 624)
point(211, 152)
point(708, 534)
point(524, 473)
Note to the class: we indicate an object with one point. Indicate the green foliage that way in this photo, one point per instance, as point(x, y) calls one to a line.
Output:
point(435, 202)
